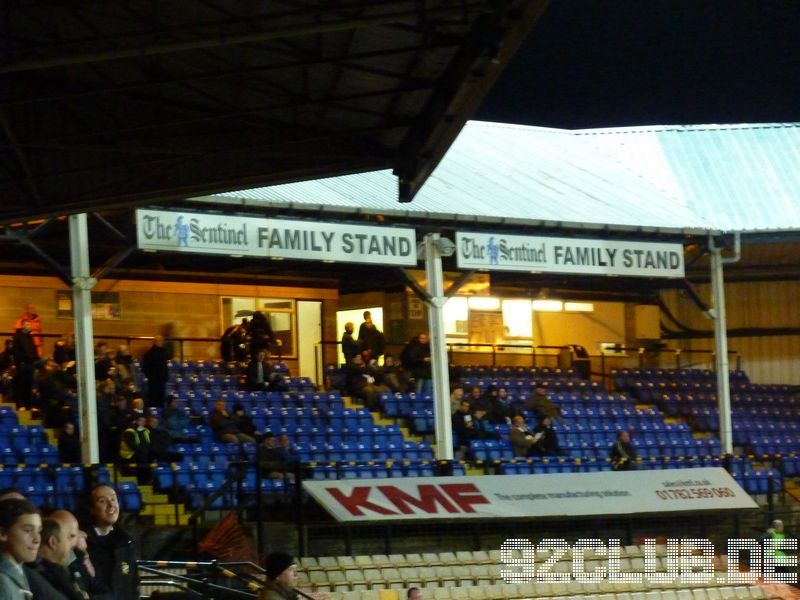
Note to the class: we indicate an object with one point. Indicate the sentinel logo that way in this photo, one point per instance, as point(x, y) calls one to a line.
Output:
point(687, 561)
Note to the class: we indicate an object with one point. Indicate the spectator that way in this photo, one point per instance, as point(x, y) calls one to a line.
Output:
point(7, 356)
point(25, 359)
point(456, 396)
point(623, 456)
point(125, 367)
point(160, 441)
point(55, 553)
point(77, 539)
point(546, 439)
point(261, 335)
point(82, 568)
point(177, 423)
point(281, 573)
point(135, 446)
point(69, 444)
point(476, 396)
point(64, 351)
point(111, 550)
point(393, 375)
point(350, 346)
point(521, 437)
point(482, 427)
point(20, 524)
point(105, 427)
point(417, 359)
point(370, 339)
point(542, 406)
point(287, 452)
point(258, 371)
point(224, 426)
point(233, 346)
point(35, 327)
point(414, 593)
point(271, 459)
point(103, 362)
point(156, 368)
point(56, 399)
point(243, 421)
point(463, 427)
point(500, 408)
point(11, 494)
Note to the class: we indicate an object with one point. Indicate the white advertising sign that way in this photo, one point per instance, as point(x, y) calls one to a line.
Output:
point(250, 236)
point(501, 252)
point(510, 496)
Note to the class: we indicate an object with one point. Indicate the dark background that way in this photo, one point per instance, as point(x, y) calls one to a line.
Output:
point(612, 63)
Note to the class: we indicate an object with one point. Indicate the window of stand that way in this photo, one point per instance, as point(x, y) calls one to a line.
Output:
point(478, 322)
point(280, 312)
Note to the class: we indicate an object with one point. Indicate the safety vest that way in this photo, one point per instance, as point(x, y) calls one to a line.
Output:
point(125, 451)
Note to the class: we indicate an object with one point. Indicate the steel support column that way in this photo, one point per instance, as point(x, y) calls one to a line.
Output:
point(721, 345)
point(82, 285)
point(439, 363)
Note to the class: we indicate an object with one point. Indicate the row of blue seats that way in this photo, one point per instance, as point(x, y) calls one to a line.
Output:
point(514, 371)
point(541, 467)
point(45, 454)
point(380, 470)
point(528, 386)
point(63, 486)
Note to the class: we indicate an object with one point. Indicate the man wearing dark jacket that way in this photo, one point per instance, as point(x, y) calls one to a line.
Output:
point(111, 550)
point(25, 358)
point(155, 368)
point(54, 556)
point(417, 359)
point(622, 454)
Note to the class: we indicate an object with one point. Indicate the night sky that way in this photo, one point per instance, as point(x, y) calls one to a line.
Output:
point(613, 63)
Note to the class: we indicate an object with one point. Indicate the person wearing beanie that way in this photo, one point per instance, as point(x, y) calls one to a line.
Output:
point(281, 572)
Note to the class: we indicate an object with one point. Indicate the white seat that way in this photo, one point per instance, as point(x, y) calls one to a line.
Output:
point(328, 562)
point(509, 590)
point(441, 593)
point(463, 575)
point(459, 593)
point(465, 557)
point(481, 574)
point(381, 560)
point(477, 592)
point(414, 560)
point(714, 593)
point(346, 562)
point(448, 558)
point(445, 575)
point(308, 562)
point(757, 592)
point(481, 556)
point(410, 576)
point(364, 560)
point(428, 575)
point(398, 560)
point(699, 594)
point(430, 559)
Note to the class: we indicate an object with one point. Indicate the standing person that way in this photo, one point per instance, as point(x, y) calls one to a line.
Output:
point(622, 454)
point(20, 526)
point(156, 369)
point(35, 326)
point(416, 358)
point(111, 550)
point(25, 359)
point(69, 444)
point(371, 339)
point(350, 346)
point(261, 335)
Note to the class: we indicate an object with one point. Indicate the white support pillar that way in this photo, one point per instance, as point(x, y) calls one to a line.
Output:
point(721, 345)
point(82, 285)
point(439, 363)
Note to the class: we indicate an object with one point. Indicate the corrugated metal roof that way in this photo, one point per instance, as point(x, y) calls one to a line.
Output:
point(739, 177)
point(688, 178)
